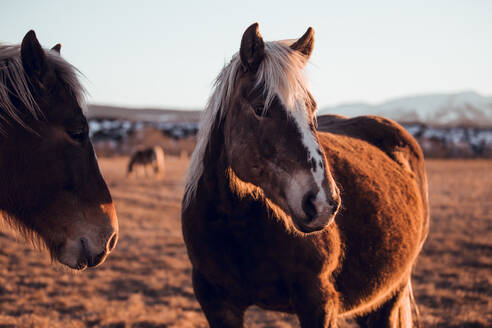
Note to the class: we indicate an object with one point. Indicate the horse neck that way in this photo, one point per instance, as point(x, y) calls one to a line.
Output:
point(4, 193)
point(10, 176)
point(214, 182)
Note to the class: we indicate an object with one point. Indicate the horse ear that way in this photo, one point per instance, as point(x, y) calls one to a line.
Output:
point(305, 44)
point(252, 48)
point(32, 55)
point(57, 48)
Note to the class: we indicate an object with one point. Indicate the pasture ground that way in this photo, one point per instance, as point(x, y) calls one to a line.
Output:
point(146, 281)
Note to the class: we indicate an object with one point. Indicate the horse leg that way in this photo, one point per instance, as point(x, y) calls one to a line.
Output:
point(394, 313)
point(218, 311)
point(156, 170)
point(315, 302)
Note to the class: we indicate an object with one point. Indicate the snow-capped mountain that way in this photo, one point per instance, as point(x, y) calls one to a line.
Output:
point(464, 108)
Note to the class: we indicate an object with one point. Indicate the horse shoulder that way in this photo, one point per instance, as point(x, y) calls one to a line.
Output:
point(385, 134)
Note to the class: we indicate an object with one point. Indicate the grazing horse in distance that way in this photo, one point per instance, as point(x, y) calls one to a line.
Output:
point(153, 157)
point(52, 190)
point(321, 223)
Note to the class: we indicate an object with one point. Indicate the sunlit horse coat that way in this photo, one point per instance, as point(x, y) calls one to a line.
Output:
point(246, 241)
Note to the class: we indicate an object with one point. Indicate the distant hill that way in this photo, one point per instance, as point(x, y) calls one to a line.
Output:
point(142, 114)
point(457, 109)
point(445, 125)
point(465, 108)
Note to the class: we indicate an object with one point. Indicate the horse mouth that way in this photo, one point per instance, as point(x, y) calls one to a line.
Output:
point(307, 226)
point(81, 266)
point(306, 229)
point(82, 258)
point(86, 262)
point(302, 227)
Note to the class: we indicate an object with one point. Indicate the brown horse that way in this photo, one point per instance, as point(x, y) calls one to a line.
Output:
point(323, 223)
point(51, 189)
point(153, 156)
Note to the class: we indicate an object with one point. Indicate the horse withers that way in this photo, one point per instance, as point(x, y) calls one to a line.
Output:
point(52, 189)
point(321, 223)
point(152, 157)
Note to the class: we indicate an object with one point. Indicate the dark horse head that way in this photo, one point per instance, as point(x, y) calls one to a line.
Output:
point(52, 189)
point(267, 117)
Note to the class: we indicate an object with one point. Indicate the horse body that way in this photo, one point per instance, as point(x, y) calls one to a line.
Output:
point(383, 223)
point(153, 156)
point(52, 189)
point(243, 240)
point(243, 248)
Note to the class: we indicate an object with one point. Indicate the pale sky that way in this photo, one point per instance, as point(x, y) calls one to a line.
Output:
point(167, 53)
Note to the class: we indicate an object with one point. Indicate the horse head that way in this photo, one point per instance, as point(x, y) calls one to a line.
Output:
point(269, 130)
point(52, 190)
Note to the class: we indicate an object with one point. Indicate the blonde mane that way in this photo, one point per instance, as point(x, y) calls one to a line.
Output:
point(281, 74)
point(14, 83)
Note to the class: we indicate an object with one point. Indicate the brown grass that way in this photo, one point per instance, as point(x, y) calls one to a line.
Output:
point(146, 281)
point(453, 277)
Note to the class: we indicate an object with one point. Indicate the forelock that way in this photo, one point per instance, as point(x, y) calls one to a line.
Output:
point(14, 82)
point(282, 74)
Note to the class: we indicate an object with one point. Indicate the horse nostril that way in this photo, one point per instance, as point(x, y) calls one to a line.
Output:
point(87, 257)
point(84, 243)
point(334, 204)
point(112, 242)
point(334, 208)
point(308, 205)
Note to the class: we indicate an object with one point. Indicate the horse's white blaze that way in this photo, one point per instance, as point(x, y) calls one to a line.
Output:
point(297, 187)
point(314, 154)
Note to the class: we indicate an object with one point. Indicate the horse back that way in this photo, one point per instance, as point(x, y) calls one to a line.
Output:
point(389, 137)
point(385, 134)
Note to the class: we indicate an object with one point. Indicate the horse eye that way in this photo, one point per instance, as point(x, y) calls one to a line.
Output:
point(259, 109)
point(77, 135)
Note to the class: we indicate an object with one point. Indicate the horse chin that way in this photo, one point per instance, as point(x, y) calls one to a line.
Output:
point(315, 225)
point(81, 266)
point(70, 256)
point(72, 264)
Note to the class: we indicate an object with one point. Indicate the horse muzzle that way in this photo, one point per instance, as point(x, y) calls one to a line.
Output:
point(91, 240)
point(85, 252)
point(317, 212)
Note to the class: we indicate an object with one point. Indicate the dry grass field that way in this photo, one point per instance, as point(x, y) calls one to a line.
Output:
point(146, 281)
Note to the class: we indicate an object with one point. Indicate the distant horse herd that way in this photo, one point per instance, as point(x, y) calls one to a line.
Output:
point(321, 217)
